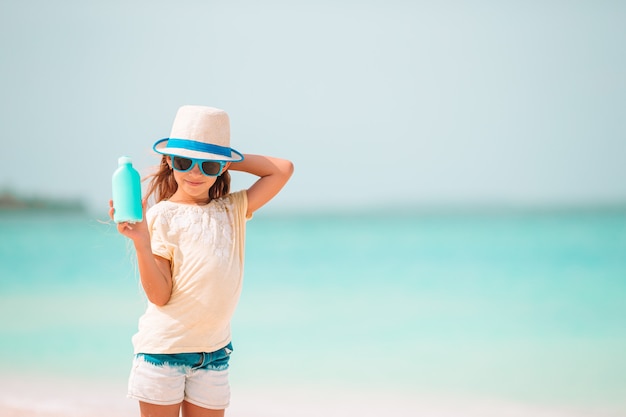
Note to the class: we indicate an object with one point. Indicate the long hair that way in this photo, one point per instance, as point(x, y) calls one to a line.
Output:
point(162, 184)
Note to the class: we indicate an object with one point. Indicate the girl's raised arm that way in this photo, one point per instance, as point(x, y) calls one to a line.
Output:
point(273, 172)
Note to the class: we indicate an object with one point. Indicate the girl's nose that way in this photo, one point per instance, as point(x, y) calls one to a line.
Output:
point(196, 169)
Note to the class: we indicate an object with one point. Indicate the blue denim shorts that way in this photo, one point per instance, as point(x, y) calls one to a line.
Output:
point(165, 379)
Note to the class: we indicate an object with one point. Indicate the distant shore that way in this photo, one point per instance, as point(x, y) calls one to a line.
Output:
point(10, 202)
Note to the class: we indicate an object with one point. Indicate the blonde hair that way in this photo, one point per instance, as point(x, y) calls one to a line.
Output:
point(162, 184)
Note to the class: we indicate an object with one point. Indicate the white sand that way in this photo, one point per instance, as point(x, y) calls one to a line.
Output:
point(43, 397)
point(21, 397)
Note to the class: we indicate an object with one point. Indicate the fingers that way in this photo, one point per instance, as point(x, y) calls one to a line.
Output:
point(123, 227)
point(130, 230)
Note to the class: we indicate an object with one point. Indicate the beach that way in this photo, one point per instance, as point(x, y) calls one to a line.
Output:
point(62, 398)
point(452, 242)
point(411, 315)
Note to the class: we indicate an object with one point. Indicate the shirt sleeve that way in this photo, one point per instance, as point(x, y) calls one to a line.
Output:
point(240, 204)
point(158, 236)
point(239, 201)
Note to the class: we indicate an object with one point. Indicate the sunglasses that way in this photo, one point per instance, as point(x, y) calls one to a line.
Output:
point(208, 168)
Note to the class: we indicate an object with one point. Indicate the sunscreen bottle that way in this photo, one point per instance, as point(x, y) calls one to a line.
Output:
point(126, 192)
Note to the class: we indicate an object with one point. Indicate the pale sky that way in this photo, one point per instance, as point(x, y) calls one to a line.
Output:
point(378, 103)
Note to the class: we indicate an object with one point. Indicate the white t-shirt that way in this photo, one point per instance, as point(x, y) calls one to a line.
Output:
point(205, 247)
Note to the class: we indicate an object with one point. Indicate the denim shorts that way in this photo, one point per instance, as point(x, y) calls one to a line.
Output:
point(166, 379)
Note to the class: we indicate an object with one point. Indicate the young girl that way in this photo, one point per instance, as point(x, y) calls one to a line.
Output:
point(190, 253)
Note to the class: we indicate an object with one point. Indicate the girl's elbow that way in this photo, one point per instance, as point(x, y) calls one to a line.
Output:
point(286, 168)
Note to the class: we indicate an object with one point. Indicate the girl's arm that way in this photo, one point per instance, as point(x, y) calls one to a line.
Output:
point(273, 173)
point(155, 272)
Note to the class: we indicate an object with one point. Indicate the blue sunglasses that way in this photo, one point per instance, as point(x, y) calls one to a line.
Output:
point(208, 168)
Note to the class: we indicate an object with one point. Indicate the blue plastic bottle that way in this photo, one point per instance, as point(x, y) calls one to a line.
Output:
point(126, 192)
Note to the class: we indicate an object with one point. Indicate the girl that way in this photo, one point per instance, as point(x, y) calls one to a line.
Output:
point(190, 252)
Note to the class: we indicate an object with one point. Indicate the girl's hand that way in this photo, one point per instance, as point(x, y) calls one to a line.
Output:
point(134, 231)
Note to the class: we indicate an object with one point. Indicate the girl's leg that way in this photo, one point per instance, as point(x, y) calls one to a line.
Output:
point(153, 410)
point(191, 410)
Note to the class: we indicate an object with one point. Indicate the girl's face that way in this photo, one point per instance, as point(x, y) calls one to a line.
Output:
point(193, 185)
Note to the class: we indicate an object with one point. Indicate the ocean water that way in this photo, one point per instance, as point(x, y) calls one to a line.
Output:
point(503, 313)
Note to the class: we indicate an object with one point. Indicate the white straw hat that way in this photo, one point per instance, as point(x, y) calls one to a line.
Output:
point(199, 132)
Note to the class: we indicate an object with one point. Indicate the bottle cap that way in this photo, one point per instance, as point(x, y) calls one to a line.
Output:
point(124, 160)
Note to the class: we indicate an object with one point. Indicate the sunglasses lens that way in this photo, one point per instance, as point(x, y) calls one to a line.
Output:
point(211, 168)
point(181, 164)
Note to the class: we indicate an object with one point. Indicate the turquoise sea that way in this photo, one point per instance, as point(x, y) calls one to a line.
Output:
point(433, 314)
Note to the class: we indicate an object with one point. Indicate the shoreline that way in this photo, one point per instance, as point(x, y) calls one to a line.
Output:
point(44, 396)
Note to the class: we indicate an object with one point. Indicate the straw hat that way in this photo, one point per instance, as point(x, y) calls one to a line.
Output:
point(199, 132)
